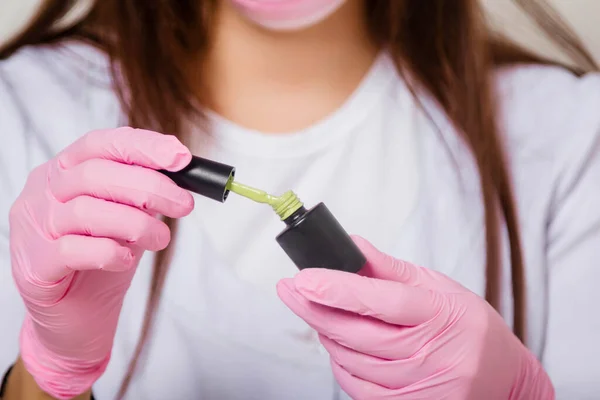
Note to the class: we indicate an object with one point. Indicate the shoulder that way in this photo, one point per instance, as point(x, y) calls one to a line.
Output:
point(548, 112)
point(551, 120)
point(49, 95)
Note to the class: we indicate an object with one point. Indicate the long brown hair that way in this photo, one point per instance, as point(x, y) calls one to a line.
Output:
point(444, 44)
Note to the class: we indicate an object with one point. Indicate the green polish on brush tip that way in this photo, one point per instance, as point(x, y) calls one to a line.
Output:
point(284, 205)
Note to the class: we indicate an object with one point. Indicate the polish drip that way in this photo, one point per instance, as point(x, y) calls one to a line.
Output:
point(284, 205)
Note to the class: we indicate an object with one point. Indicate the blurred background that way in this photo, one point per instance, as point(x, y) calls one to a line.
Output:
point(583, 15)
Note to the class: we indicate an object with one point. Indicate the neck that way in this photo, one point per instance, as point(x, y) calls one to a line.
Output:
point(285, 81)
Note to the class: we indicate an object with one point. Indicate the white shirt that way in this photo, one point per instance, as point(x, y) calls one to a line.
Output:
point(221, 332)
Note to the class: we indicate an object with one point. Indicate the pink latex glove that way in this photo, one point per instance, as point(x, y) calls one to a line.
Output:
point(77, 232)
point(405, 332)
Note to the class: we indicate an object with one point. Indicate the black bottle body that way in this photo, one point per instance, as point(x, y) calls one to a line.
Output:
point(315, 239)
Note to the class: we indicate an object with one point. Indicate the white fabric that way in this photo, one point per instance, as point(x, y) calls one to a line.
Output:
point(390, 171)
point(346, 161)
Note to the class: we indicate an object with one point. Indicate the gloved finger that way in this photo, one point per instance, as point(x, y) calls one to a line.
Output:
point(383, 266)
point(89, 216)
point(85, 253)
point(132, 185)
point(358, 388)
point(75, 252)
point(391, 374)
point(362, 334)
point(129, 146)
point(388, 301)
point(438, 387)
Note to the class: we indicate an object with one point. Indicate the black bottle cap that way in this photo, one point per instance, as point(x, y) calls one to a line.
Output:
point(206, 177)
point(315, 239)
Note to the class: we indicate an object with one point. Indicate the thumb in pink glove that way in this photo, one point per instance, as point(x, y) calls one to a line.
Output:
point(405, 332)
point(77, 232)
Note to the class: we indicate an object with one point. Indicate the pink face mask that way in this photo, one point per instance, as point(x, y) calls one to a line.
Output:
point(287, 14)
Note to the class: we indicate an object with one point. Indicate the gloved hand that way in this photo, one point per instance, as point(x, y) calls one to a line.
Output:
point(77, 232)
point(405, 332)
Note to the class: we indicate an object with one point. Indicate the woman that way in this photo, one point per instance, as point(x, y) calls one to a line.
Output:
point(439, 143)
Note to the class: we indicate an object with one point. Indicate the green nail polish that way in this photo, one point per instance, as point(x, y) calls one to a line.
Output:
point(284, 205)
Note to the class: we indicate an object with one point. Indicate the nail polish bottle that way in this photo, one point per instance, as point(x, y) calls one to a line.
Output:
point(312, 238)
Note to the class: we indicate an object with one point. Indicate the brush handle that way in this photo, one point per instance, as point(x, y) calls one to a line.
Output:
point(205, 177)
